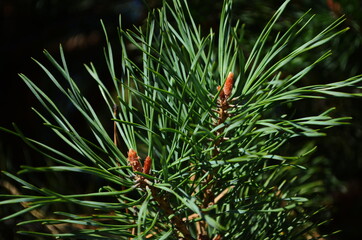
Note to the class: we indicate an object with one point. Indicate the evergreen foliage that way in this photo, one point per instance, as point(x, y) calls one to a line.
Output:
point(204, 121)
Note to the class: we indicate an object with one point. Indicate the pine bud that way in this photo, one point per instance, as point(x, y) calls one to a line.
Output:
point(147, 165)
point(133, 160)
point(222, 94)
point(228, 86)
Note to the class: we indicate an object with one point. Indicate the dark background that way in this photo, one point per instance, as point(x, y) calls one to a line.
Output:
point(29, 26)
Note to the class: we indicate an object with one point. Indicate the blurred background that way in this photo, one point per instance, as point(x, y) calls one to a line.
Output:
point(29, 26)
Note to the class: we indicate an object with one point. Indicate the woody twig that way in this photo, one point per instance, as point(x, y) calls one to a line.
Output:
point(134, 161)
point(115, 133)
point(39, 214)
point(223, 106)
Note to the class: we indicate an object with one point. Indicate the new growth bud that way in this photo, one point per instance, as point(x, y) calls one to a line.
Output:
point(133, 160)
point(222, 94)
point(147, 165)
point(228, 86)
point(225, 93)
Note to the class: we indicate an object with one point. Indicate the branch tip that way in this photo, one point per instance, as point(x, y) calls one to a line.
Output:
point(133, 160)
point(228, 86)
point(147, 165)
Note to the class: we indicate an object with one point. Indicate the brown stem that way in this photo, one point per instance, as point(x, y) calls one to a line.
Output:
point(223, 106)
point(38, 214)
point(115, 132)
point(176, 220)
point(133, 160)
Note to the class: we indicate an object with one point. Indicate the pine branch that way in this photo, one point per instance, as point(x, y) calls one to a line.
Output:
point(180, 225)
point(215, 160)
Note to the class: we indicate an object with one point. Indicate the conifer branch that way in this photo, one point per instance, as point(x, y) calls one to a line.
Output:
point(133, 160)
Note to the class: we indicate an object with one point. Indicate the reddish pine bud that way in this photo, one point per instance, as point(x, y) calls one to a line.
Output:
point(147, 165)
point(228, 86)
point(133, 160)
point(222, 94)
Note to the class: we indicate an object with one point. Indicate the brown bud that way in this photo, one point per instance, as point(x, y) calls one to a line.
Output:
point(147, 165)
point(228, 86)
point(222, 94)
point(133, 160)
